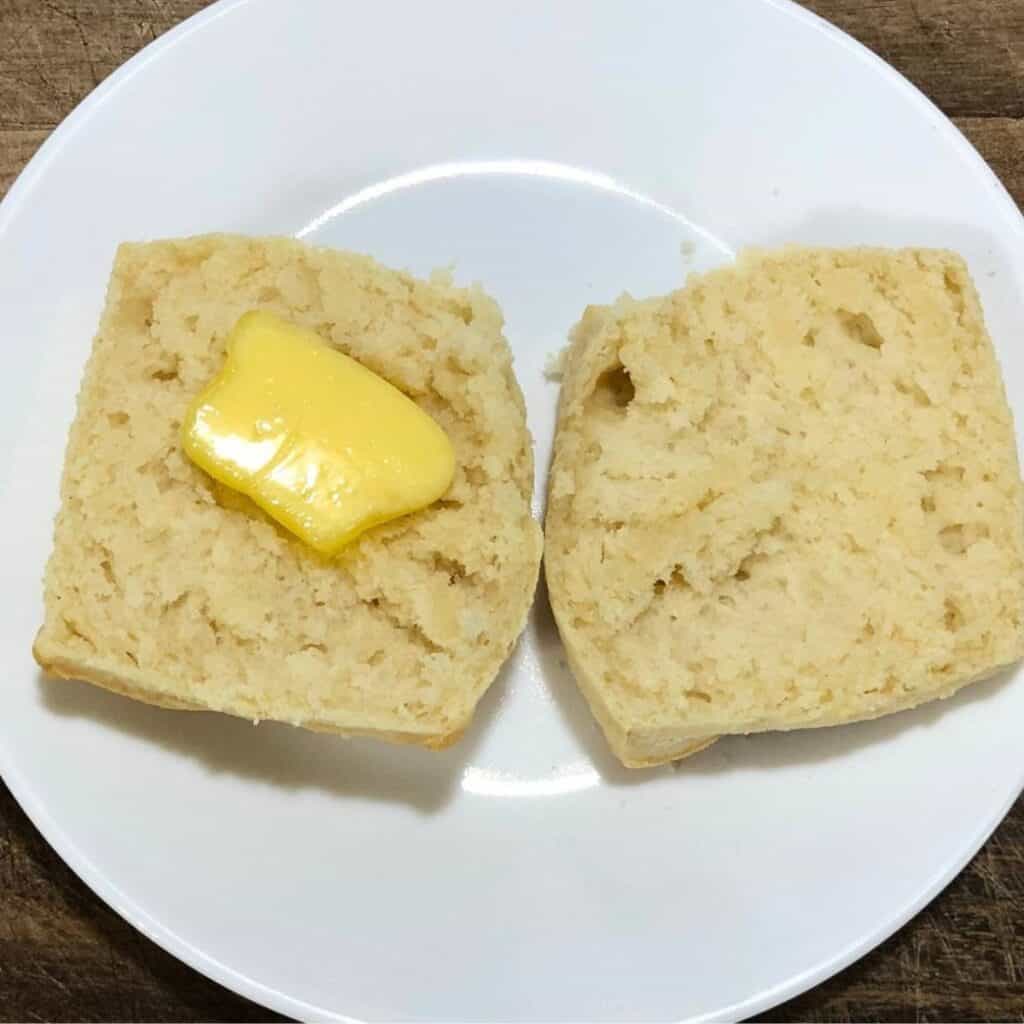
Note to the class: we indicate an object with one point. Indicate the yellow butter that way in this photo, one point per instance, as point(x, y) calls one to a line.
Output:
point(322, 444)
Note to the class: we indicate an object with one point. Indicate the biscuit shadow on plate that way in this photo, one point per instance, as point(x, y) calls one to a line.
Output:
point(281, 755)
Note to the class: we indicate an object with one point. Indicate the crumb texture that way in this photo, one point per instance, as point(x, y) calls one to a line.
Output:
point(786, 495)
point(167, 585)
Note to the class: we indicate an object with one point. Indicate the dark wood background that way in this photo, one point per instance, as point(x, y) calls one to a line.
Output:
point(65, 956)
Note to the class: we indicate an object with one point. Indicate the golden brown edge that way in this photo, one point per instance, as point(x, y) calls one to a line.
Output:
point(631, 748)
point(122, 684)
point(637, 750)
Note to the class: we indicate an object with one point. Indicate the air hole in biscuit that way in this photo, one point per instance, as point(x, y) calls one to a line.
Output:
point(953, 618)
point(913, 390)
point(958, 537)
point(167, 373)
point(450, 567)
point(709, 497)
point(677, 578)
point(75, 631)
point(944, 471)
point(859, 327)
point(614, 388)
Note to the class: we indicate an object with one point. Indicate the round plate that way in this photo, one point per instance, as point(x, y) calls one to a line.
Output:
point(560, 154)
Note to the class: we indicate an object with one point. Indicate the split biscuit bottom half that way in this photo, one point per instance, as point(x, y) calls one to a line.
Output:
point(171, 588)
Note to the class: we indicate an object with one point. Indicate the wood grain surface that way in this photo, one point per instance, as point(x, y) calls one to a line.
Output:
point(65, 956)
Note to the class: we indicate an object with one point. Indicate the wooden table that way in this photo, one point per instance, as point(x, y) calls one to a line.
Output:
point(65, 956)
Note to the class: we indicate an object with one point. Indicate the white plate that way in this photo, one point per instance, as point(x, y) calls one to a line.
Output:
point(560, 153)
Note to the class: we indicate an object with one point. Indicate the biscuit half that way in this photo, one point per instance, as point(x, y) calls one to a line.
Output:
point(786, 495)
point(168, 587)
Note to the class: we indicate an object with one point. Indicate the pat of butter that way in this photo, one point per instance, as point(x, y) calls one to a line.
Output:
point(318, 441)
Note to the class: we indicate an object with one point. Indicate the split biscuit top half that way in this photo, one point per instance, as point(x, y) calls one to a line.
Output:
point(786, 495)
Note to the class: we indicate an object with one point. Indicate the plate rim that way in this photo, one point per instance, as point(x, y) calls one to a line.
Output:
point(270, 998)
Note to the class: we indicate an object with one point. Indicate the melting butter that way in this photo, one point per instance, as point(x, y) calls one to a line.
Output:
point(321, 443)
